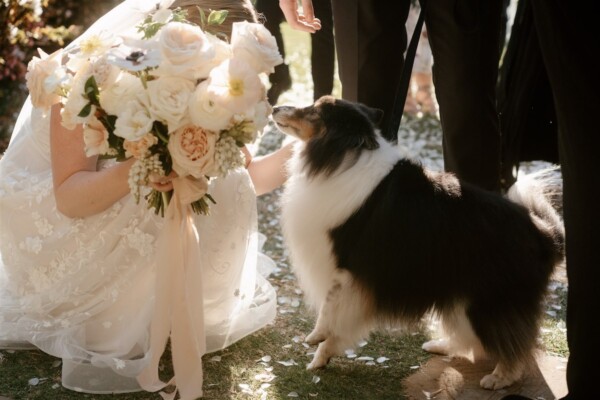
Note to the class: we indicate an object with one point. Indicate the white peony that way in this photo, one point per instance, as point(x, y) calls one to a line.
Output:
point(169, 98)
point(185, 49)
point(205, 112)
point(134, 121)
point(95, 138)
point(127, 87)
point(235, 86)
point(193, 151)
point(253, 43)
point(45, 75)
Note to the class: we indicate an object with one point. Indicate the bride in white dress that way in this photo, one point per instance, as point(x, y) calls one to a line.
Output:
point(82, 287)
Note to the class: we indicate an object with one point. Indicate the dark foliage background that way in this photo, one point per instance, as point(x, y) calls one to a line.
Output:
point(26, 25)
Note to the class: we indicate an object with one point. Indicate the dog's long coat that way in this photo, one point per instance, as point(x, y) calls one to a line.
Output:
point(375, 238)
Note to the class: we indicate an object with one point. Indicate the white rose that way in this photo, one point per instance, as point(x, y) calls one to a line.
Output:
point(222, 52)
point(185, 49)
point(235, 86)
point(192, 150)
point(134, 121)
point(44, 78)
point(205, 112)
point(256, 45)
point(95, 138)
point(126, 88)
point(169, 98)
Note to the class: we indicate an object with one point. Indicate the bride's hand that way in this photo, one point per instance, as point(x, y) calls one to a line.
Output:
point(162, 183)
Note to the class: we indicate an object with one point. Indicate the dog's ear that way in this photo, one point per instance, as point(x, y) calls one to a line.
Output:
point(374, 114)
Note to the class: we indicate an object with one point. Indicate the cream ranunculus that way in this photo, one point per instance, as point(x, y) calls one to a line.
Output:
point(169, 99)
point(44, 76)
point(140, 148)
point(235, 86)
point(134, 121)
point(192, 150)
point(126, 88)
point(95, 138)
point(185, 48)
point(205, 112)
point(256, 45)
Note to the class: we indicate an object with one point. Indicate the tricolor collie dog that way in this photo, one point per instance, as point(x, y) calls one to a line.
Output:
point(377, 239)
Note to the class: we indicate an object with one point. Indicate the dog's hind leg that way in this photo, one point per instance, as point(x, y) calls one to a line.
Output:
point(344, 319)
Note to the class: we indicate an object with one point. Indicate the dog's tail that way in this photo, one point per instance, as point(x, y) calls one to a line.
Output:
point(541, 193)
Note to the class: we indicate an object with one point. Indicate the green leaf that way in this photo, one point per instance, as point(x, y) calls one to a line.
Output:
point(85, 111)
point(202, 17)
point(91, 90)
point(217, 17)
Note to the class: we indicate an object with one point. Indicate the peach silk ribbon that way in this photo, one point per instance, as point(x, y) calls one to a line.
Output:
point(178, 309)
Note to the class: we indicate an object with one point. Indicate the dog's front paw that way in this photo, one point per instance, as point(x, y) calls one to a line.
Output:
point(437, 346)
point(318, 362)
point(315, 337)
point(495, 381)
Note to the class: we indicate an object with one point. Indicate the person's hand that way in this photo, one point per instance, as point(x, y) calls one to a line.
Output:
point(303, 22)
point(162, 183)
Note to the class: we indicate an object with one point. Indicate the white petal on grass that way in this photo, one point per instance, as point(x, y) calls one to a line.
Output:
point(362, 343)
point(295, 303)
point(56, 363)
point(415, 367)
point(215, 359)
point(266, 359)
point(264, 377)
point(293, 394)
point(55, 386)
point(287, 346)
point(34, 381)
point(297, 339)
point(370, 363)
point(288, 363)
point(365, 358)
point(316, 379)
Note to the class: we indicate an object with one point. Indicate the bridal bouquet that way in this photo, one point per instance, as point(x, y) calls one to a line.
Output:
point(169, 94)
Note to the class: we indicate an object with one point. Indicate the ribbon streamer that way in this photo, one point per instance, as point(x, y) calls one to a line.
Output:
point(179, 308)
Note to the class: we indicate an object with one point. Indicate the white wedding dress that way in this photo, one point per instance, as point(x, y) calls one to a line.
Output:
point(83, 289)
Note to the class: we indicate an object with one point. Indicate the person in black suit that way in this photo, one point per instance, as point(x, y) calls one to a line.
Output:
point(322, 49)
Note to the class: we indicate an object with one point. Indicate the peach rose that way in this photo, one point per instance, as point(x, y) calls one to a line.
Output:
point(193, 151)
point(140, 148)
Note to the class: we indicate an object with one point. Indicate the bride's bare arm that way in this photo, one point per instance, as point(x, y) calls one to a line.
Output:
point(79, 188)
point(268, 172)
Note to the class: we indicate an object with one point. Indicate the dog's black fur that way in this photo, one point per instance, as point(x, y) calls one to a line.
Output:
point(424, 241)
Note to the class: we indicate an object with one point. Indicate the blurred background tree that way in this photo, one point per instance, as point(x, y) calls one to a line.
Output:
point(26, 25)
